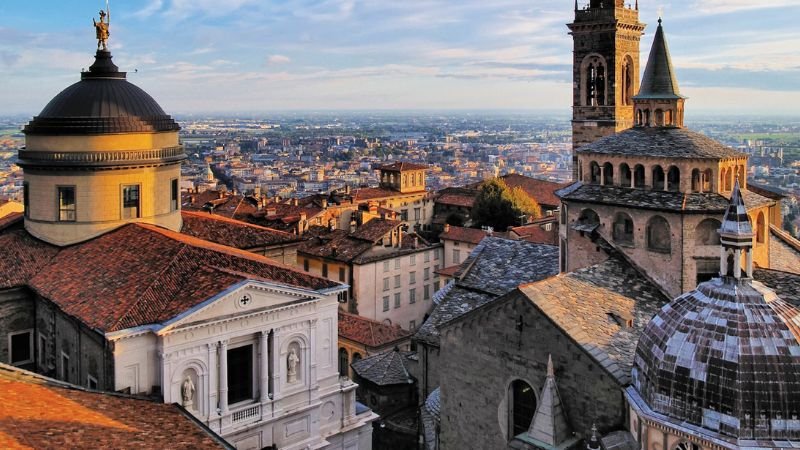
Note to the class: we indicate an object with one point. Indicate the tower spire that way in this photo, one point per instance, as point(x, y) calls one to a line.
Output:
point(659, 101)
point(549, 424)
point(736, 237)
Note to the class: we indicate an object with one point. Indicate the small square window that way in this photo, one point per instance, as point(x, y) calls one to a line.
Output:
point(436, 255)
point(436, 286)
point(397, 263)
point(341, 273)
point(413, 259)
point(64, 367)
point(426, 292)
point(20, 346)
point(305, 265)
point(427, 256)
point(386, 266)
point(427, 273)
point(324, 270)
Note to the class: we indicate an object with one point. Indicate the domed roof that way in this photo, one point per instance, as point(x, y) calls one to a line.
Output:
point(661, 142)
point(102, 102)
point(724, 357)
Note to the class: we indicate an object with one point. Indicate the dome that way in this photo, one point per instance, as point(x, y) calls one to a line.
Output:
point(724, 357)
point(102, 102)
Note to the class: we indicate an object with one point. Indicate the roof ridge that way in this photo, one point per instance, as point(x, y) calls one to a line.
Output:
point(222, 218)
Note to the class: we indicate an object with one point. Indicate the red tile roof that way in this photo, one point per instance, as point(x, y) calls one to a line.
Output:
point(233, 233)
point(461, 234)
point(142, 274)
point(375, 229)
point(534, 233)
point(462, 200)
point(449, 271)
point(39, 412)
point(401, 166)
point(542, 191)
point(374, 193)
point(369, 332)
point(21, 257)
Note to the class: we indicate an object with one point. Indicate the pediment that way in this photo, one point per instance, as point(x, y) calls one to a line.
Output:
point(242, 300)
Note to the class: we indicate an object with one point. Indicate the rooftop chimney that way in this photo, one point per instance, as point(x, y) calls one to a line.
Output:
point(353, 226)
point(447, 228)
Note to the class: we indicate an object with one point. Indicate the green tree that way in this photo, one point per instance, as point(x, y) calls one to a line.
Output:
point(499, 206)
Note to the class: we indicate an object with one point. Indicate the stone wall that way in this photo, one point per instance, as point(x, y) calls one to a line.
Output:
point(16, 315)
point(484, 353)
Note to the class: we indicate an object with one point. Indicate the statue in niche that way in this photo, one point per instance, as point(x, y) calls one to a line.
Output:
point(187, 392)
point(291, 362)
point(101, 30)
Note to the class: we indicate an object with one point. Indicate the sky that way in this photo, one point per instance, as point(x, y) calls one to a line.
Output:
point(238, 56)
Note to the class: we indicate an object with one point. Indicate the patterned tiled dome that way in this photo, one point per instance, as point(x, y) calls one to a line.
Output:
point(724, 357)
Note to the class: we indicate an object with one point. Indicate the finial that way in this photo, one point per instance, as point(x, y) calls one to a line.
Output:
point(660, 14)
point(637, 5)
point(550, 372)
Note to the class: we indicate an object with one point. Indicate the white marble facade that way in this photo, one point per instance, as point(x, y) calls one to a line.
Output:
point(283, 386)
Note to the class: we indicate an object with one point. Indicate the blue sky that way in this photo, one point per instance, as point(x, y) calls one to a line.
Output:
point(737, 56)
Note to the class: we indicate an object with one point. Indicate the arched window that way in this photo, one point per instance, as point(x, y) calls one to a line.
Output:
point(707, 177)
point(659, 238)
point(594, 173)
point(638, 176)
point(627, 81)
point(593, 81)
point(674, 179)
point(588, 217)
point(522, 407)
point(625, 175)
point(668, 120)
point(697, 182)
point(420, 179)
point(658, 178)
point(356, 357)
point(608, 174)
point(707, 232)
point(623, 229)
point(659, 118)
point(761, 229)
point(740, 175)
point(729, 179)
point(343, 362)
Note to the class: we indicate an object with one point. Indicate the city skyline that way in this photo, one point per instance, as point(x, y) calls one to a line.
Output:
point(251, 56)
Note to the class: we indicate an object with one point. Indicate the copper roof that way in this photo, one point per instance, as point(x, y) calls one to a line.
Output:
point(39, 412)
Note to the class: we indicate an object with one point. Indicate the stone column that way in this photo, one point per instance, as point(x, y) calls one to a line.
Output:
point(602, 176)
point(223, 377)
point(278, 366)
point(749, 268)
point(312, 354)
point(737, 263)
point(723, 262)
point(212, 379)
point(264, 379)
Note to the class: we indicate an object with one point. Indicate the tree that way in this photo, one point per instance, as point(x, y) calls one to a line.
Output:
point(500, 207)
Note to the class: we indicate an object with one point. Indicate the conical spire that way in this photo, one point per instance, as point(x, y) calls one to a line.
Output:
point(659, 79)
point(549, 424)
point(736, 238)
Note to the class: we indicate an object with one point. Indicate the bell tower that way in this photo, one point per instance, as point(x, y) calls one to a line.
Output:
point(605, 70)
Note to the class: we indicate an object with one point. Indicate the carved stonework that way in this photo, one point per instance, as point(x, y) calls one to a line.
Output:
point(292, 361)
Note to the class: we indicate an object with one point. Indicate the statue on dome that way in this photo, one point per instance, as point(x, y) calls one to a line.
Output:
point(101, 30)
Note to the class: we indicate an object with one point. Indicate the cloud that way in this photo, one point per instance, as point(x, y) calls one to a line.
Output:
point(153, 7)
point(278, 59)
point(729, 6)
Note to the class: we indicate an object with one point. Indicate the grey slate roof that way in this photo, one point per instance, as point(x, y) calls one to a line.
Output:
point(659, 80)
point(661, 142)
point(736, 221)
point(603, 308)
point(384, 369)
point(785, 284)
point(550, 424)
point(656, 200)
point(494, 267)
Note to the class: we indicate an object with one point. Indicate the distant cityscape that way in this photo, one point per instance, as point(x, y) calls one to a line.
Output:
point(294, 155)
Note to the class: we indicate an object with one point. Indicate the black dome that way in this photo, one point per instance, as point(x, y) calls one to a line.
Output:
point(102, 102)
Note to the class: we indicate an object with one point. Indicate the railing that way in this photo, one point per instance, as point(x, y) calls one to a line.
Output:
point(246, 415)
point(100, 158)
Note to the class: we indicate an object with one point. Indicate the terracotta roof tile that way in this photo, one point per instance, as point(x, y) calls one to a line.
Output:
point(21, 257)
point(375, 193)
point(462, 200)
point(39, 412)
point(234, 233)
point(540, 190)
point(402, 165)
point(142, 274)
point(375, 229)
point(369, 332)
point(461, 234)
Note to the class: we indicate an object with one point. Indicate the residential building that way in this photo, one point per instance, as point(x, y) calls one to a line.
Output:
point(360, 338)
